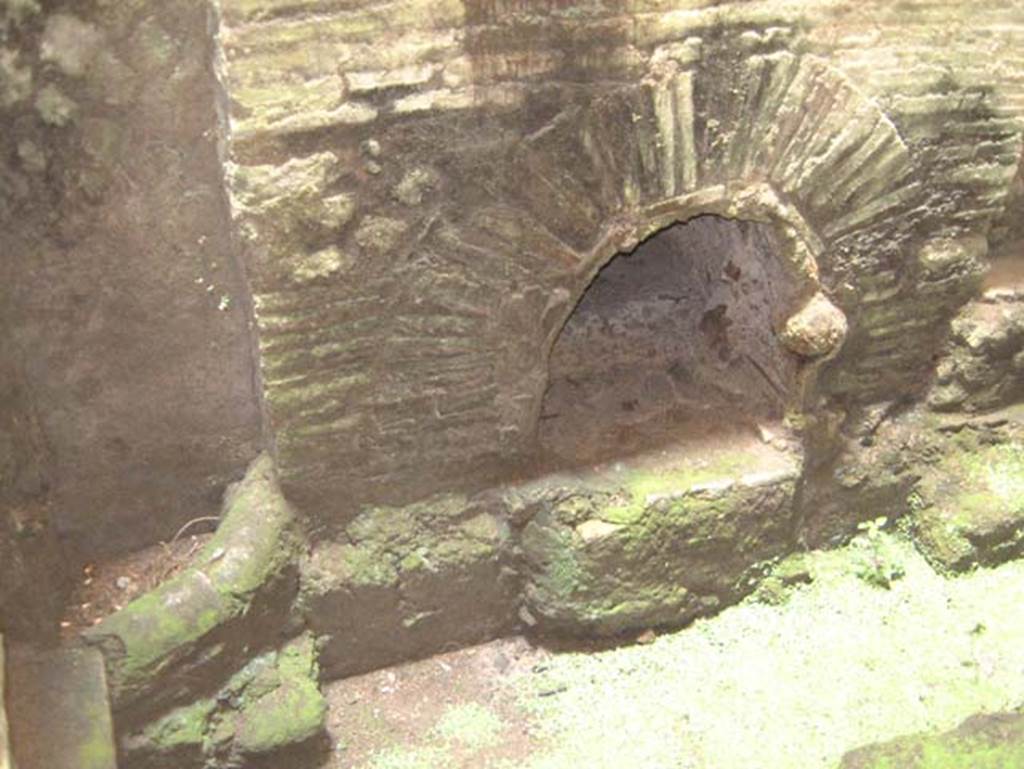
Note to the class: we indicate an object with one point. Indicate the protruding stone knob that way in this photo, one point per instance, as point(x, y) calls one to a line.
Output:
point(816, 330)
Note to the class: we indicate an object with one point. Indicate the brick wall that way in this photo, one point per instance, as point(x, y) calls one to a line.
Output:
point(423, 189)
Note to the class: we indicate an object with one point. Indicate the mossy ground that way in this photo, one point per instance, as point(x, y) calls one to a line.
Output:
point(794, 684)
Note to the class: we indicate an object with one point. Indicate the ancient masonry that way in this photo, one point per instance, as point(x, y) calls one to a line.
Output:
point(407, 285)
point(339, 241)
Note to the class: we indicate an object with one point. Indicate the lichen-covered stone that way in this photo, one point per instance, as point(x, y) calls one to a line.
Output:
point(862, 463)
point(982, 368)
point(270, 712)
point(969, 504)
point(175, 740)
point(940, 258)
point(407, 581)
point(415, 185)
point(15, 78)
point(54, 107)
point(206, 617)
point(70, 43)
point(292, 195)
point(651, 547)
point(990, 741)
point(288, 716)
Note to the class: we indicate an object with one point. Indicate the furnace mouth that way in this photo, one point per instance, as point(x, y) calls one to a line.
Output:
point(674, 343)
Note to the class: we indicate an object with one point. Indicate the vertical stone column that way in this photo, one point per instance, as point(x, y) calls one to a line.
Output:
point(125, 304)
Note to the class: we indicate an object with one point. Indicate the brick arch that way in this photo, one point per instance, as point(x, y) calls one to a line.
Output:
point(415, 359)
point(783, 139)
point(792, 123)
point(797, 255)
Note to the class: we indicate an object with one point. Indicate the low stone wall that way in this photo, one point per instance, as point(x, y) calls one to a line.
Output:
point(400, 583)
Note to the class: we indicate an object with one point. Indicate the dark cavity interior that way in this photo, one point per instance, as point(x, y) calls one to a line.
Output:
point(674, 341)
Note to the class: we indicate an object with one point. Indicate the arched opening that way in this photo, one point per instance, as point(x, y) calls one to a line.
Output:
point(672, 342)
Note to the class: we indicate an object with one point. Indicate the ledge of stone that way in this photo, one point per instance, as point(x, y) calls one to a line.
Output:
point(233, 599)
point(634, 547)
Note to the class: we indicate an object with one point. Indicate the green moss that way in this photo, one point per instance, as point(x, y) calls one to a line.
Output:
point(970, 507)
point(289, 716)
point(409, 758)
point(559, 573)
point(292, 712)
point(251, 546)
point(973, 745)
point(460, 552)
point(297, 661)
point(253, 541)
point(151, 629)
point(98, 751)
point(388, 526)
point(794, 569)
point(365, 565)
point(939, 756)
point(744, 689)
point(999, 472)
point(185, 726)
point(485, 528)
point(643, 486)
point(469, 724)
point(771, 591)
point(648, 547)
point(425, 536)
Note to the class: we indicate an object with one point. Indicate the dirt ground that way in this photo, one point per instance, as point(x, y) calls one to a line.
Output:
point(104, 587)
point(462, 698)
point(792, 682)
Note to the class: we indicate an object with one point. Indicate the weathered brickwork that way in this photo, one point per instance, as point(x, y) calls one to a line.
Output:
point(424, 189)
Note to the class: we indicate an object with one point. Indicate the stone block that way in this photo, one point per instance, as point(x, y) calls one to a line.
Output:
point(992, 740)
point(637, 547)
point(969, 505)
point(269, 713)
point(60, 713)
point(981, 369)
point(405, 582)
point(231, 600)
